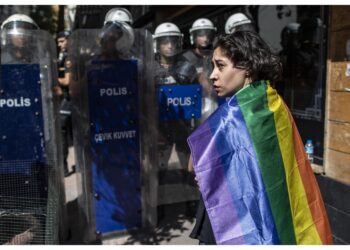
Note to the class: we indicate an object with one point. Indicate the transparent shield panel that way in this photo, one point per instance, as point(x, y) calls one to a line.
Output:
point(82, 44)
point(185, 98)
point(204, 68)
point(28, 206)
point(30, 146)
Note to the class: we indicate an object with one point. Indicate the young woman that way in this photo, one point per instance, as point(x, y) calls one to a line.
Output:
point(256, 183)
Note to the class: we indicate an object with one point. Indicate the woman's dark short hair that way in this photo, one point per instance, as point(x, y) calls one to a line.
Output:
point(248, 51)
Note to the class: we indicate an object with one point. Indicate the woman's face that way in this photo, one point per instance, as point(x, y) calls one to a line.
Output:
point(227, 79)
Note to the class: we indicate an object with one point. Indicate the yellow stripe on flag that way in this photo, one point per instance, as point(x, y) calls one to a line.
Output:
point(304, 226)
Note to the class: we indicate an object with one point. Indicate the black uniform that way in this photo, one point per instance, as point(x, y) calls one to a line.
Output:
point(201, 63)
point(65, 110)
point(182, 72)
point(175, 131)
point(202, 229)
point(62, 56)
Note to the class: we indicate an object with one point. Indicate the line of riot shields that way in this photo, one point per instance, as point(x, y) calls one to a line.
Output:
point(131, 119)
point(31, 182)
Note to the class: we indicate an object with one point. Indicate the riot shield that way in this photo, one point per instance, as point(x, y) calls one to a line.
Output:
point(203, 70)
point(185, 99)
point(31, 197)
point(110, 94)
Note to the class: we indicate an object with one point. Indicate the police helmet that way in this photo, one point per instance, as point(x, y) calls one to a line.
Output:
point(202, 27)
point(19, 21)
point(17, 26)
point(64, 33)
point(235, 21)
point(117, 28)
point(289, 35)
point(118, 15)
point(167, 33)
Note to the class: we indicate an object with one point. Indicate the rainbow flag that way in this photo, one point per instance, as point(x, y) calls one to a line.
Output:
point(256, 182)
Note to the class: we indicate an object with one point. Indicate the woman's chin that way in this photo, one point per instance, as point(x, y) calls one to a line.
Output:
point(220, 94)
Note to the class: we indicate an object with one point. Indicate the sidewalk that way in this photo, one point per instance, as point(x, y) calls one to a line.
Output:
point(173, 229)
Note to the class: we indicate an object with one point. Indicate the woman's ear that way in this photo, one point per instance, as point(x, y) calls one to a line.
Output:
point(248, 78)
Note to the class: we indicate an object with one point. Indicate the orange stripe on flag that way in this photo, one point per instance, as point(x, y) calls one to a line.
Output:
point(312, 191)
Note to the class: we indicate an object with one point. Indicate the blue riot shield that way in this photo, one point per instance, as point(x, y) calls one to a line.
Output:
point(180, 102)
point(185, 99)
point(31, 198)
point(21, 111)
point(23, 165)
point(115, 149)
point(111, 104)
point(180, 109)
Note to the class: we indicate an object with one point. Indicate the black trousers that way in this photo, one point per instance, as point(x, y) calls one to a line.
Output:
point(202, 229)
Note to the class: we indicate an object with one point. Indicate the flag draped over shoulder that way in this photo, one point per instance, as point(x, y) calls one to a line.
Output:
point(256, 182)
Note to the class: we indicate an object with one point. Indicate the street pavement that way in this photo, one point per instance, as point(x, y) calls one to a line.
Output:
point(173, 229)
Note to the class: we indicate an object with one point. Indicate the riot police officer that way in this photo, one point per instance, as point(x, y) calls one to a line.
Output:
point(239, 21)
point(172, 70)
point(202, 34)
point(62, 43)
point(30, 158)
point(117, 36)
point(108, 78)
point(62, 90)
point(171, 66)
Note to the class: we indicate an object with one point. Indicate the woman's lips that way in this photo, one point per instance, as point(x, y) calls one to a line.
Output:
point(217, 89)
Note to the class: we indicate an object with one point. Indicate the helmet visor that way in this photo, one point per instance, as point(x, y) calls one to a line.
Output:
point(17, 38)
point(169, 45)
point(203, 38)
point(20, 25)
point(116, 36)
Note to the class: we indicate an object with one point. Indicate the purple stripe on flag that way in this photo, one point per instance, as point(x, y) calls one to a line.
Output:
point(218, 191)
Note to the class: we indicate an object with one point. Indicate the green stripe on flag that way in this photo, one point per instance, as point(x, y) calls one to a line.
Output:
point(261, 125)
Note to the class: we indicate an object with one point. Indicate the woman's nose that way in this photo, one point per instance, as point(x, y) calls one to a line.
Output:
point(213, 75)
